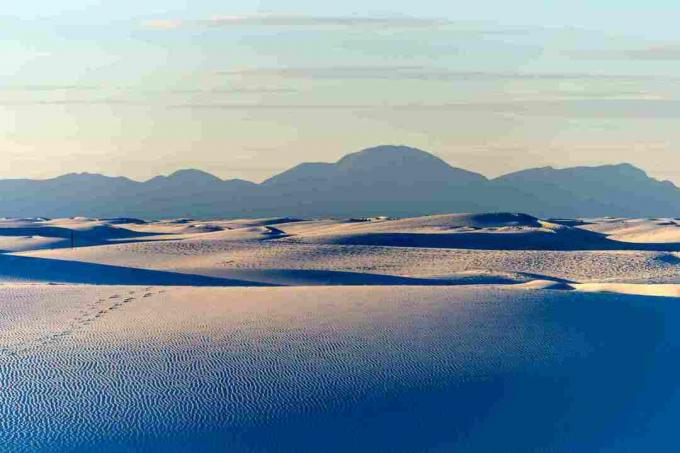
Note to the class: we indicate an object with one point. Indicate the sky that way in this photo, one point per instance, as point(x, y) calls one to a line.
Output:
point(246, 89)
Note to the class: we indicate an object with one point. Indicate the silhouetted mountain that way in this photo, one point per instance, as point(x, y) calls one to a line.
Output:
point(71, 194)
point(186, 177)
point(401, 163)
point(397, 165)
point(394, 179)
point(616, 190)
point(385, 180)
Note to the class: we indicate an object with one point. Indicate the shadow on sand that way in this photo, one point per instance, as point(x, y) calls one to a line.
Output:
point(317, 277)
point(99, 235)
point(21, 268)
point(570, 240)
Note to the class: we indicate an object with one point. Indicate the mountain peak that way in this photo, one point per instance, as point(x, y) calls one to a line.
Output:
point(629, 169)
point(388, 154)
point(624, 169)
point(192, 173)
point(185, 178)
point(83, 177)
point(404, 161)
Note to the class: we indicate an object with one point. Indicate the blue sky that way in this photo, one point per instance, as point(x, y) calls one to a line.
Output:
point(246, 89)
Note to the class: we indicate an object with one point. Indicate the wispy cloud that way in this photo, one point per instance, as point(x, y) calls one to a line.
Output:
point(656, 109)
point(577, 108)
point(71, 102)
point(244, 90)
point(580, 99)
point(162, 24)
point(653, 53)
point(138, 90)
point(275, 20)
point(45, 88)
point(66, 95)
point(387, 72)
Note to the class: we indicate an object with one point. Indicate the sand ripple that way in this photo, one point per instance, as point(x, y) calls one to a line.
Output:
point(334, 369)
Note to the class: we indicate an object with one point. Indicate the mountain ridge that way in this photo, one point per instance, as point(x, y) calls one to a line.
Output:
point(382, 180)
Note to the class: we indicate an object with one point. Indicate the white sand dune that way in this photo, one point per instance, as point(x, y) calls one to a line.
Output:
point(545, 284)
point(323, 252)
point(31, 242)
point(80, 232)
point(467, 369)
point(467, 333)
point(642, 289)
point(639, 231)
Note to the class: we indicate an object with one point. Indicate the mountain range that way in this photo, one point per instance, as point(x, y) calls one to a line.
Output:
point(385, 180)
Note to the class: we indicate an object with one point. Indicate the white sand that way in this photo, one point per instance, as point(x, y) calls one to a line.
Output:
point(392, 335)
point(323, 252)
point(662, 231)
point(121, 368)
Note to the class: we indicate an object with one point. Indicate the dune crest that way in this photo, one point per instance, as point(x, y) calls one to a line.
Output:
point(449, 249)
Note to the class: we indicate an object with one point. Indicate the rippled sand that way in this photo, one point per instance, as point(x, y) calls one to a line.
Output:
point(407, 369)
point(466, 333)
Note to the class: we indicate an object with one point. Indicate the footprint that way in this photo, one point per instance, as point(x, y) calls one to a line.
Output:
point(83, 318)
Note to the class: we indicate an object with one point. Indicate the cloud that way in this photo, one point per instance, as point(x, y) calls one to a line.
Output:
point(45, 88)
point(239, 90)
point(603, 100)
point(72, 102)
point(331, 72)
point(162, 24)
point(578, 108)
point(274, 20)
point(131, 90)
point(653, 53)
point(387, 72)
point(657, 109)
point(326, 21)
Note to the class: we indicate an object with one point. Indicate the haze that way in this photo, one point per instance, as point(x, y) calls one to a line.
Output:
point(247, 89)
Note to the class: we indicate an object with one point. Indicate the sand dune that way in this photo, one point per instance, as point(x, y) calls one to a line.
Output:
point(639, 231)
point(641, 289)
point(497, 231)
point(34, 234)
point(116, 368)
point(372, 334)
point(446, 249)
point(24, 269)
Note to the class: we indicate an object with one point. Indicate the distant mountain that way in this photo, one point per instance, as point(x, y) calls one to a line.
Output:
point(397, 180)
point(385, 180)
point(615, 190)
point(395, 165)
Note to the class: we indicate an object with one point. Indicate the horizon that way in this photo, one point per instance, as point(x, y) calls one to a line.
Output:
point(248, 90)
point(260, 181)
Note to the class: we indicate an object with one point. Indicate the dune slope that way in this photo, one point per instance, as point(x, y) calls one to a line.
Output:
point(497, 248)
point(335, 369)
